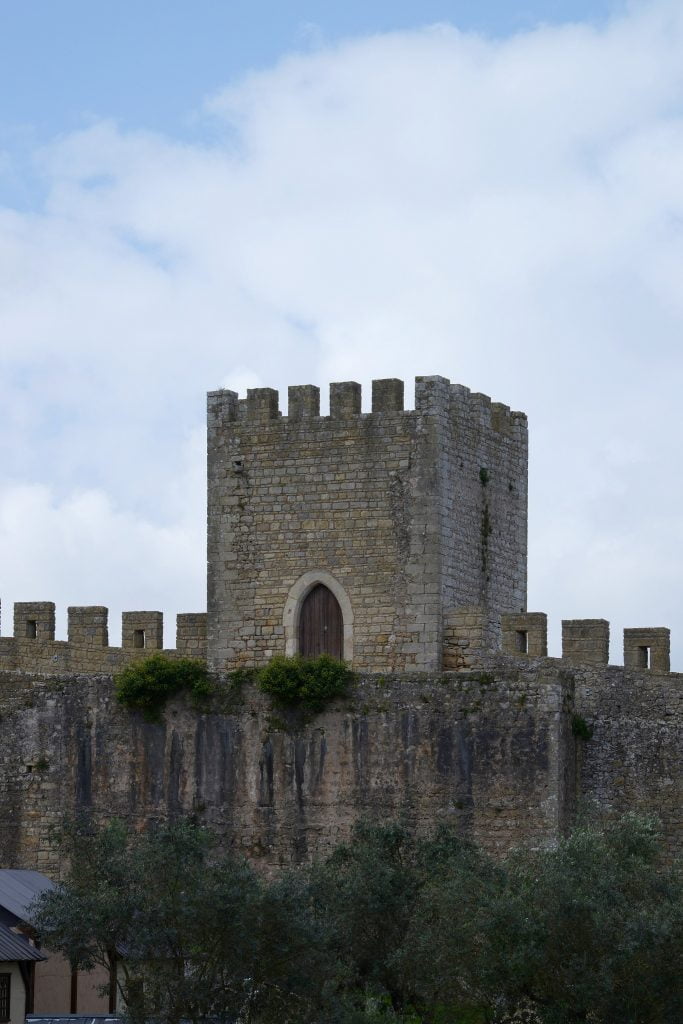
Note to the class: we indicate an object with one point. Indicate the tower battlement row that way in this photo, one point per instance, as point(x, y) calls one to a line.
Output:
point(432, 395)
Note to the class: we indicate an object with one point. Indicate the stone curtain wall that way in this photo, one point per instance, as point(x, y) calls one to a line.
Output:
point(634, 761)
point(412, 512)
point(485, 753)
point(492, 751)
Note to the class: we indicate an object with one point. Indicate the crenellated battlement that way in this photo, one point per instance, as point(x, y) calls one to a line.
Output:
point(469, 641)
point(33, 646)
point(433, 396)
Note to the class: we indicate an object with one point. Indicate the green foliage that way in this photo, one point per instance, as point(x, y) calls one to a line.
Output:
point(589, 930)
point(307, 684)
point(581, 729)
point(241, 677)
point(199, 936)
point(147, 685)
point(390, 929)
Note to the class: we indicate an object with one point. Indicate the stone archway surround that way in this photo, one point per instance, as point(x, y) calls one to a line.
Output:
point(295, 599)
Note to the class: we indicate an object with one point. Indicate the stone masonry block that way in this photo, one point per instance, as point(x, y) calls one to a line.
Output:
point(432, 394)
point(345, 399)
point(142, 630)
point(222, 405)
point(464, 638)
point(191, 632)
point(387, 395)
point(526, 633)
point(501, 417)
point(262, 404)
point(303, 401)
point(88, 626)
point(648, 648)
point(481, 407)
point(34, 620)
point(585, 641)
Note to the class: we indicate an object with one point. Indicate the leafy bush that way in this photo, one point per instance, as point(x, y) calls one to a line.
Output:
point(147, 685)
point(392, 928)
point(581, 729)
point(305, 683)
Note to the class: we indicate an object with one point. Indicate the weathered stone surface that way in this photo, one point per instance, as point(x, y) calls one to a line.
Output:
point(414, 514)
point(491, 751)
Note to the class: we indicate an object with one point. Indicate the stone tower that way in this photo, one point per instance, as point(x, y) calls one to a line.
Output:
point(373, 529)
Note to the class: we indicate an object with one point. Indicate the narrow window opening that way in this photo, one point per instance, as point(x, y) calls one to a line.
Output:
point(31, 629)
point(643, 657)
point(138, 638)
point(522, 641)
point(5, 996)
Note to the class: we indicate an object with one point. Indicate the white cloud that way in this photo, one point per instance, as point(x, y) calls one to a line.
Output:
point(507, 213)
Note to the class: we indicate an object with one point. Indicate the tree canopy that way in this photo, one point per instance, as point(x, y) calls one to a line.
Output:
point(390, 928)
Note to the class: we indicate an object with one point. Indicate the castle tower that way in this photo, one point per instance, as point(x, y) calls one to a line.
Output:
point(357, 533)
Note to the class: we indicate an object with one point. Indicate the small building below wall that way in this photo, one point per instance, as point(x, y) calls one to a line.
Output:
point(49, 985)
point(17, 958)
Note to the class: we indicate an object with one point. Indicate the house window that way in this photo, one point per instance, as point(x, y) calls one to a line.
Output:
point(31, 629)
point(138, 638)
point(4, 996)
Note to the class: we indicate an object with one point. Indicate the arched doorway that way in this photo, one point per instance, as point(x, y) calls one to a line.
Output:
point(321, 624)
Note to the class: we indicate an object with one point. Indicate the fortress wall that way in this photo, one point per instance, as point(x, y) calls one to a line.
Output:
point(487, 753)
point(633, 761)
point(492, 751)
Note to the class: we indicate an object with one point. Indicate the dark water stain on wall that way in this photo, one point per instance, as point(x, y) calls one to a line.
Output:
point(150, 743)
point(265, 765)
point(528, 748)
point(444, 750)
point(360, 752)
point(83, 765)
point(317, 751)
point(216, 749)
point(300, 843)
point(410, 738)
point(175, 770)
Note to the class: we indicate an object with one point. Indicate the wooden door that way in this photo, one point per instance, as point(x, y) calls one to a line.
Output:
point(321, 626)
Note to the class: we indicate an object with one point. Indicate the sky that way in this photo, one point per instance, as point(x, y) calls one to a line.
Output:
point(203, 195)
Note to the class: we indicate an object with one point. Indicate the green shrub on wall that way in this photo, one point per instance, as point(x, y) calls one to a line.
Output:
point(305, 683)
point(581, 729)
point(147, 685)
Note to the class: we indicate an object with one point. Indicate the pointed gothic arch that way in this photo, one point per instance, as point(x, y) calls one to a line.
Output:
point(296, 599)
